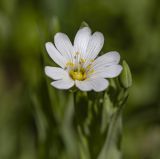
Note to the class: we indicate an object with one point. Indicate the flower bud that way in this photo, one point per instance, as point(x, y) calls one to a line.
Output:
point(84, 24)
point(125, 77)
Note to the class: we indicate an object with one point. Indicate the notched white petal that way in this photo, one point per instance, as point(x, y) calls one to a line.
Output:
point(64, 45)
point(99, 84)
point(110, 58)
point(96, 84)
point(84, 85)
point(95, 45)
point(108, 72)
point(81, 40)
point(63, 84)
point(55, 73)
point(113, 71)
point(55, 55)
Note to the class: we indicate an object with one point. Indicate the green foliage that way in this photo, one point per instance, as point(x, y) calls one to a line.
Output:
point(98, 122)
point(38, 121)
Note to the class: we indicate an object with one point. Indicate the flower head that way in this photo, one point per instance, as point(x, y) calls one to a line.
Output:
point(78, 63)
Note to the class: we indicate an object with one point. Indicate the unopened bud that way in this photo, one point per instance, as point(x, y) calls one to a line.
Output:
point(84, 24)
point(126, 76)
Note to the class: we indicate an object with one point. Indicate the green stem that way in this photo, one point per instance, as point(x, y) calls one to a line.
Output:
point(113, 126)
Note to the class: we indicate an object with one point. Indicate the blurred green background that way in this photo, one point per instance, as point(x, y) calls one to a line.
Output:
point(131, 27)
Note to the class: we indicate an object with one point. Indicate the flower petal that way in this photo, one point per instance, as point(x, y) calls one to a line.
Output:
point(94, 46)
point(99, 84)
point(63, 84)
point(55, 73)
point(81, 40)
point(110, 58)
point(55, 55)
point(84, 85)
point(107, 72)
point(64, 45)
point(96, 84)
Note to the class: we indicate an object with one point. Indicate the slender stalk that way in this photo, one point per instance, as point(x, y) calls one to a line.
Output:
point(114, 121)
point(113, 126)
point(74, 100)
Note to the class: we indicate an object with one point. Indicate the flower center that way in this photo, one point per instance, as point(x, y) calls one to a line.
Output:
point(78, 75)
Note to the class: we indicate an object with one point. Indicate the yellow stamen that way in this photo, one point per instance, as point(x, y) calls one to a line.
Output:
point(71, 64)
point(78, 75)
point(92, 60)
point(82, 60)
point(90, 72)
point(89, 66)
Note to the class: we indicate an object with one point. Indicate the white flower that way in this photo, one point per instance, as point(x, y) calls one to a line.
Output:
point(78, 63)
